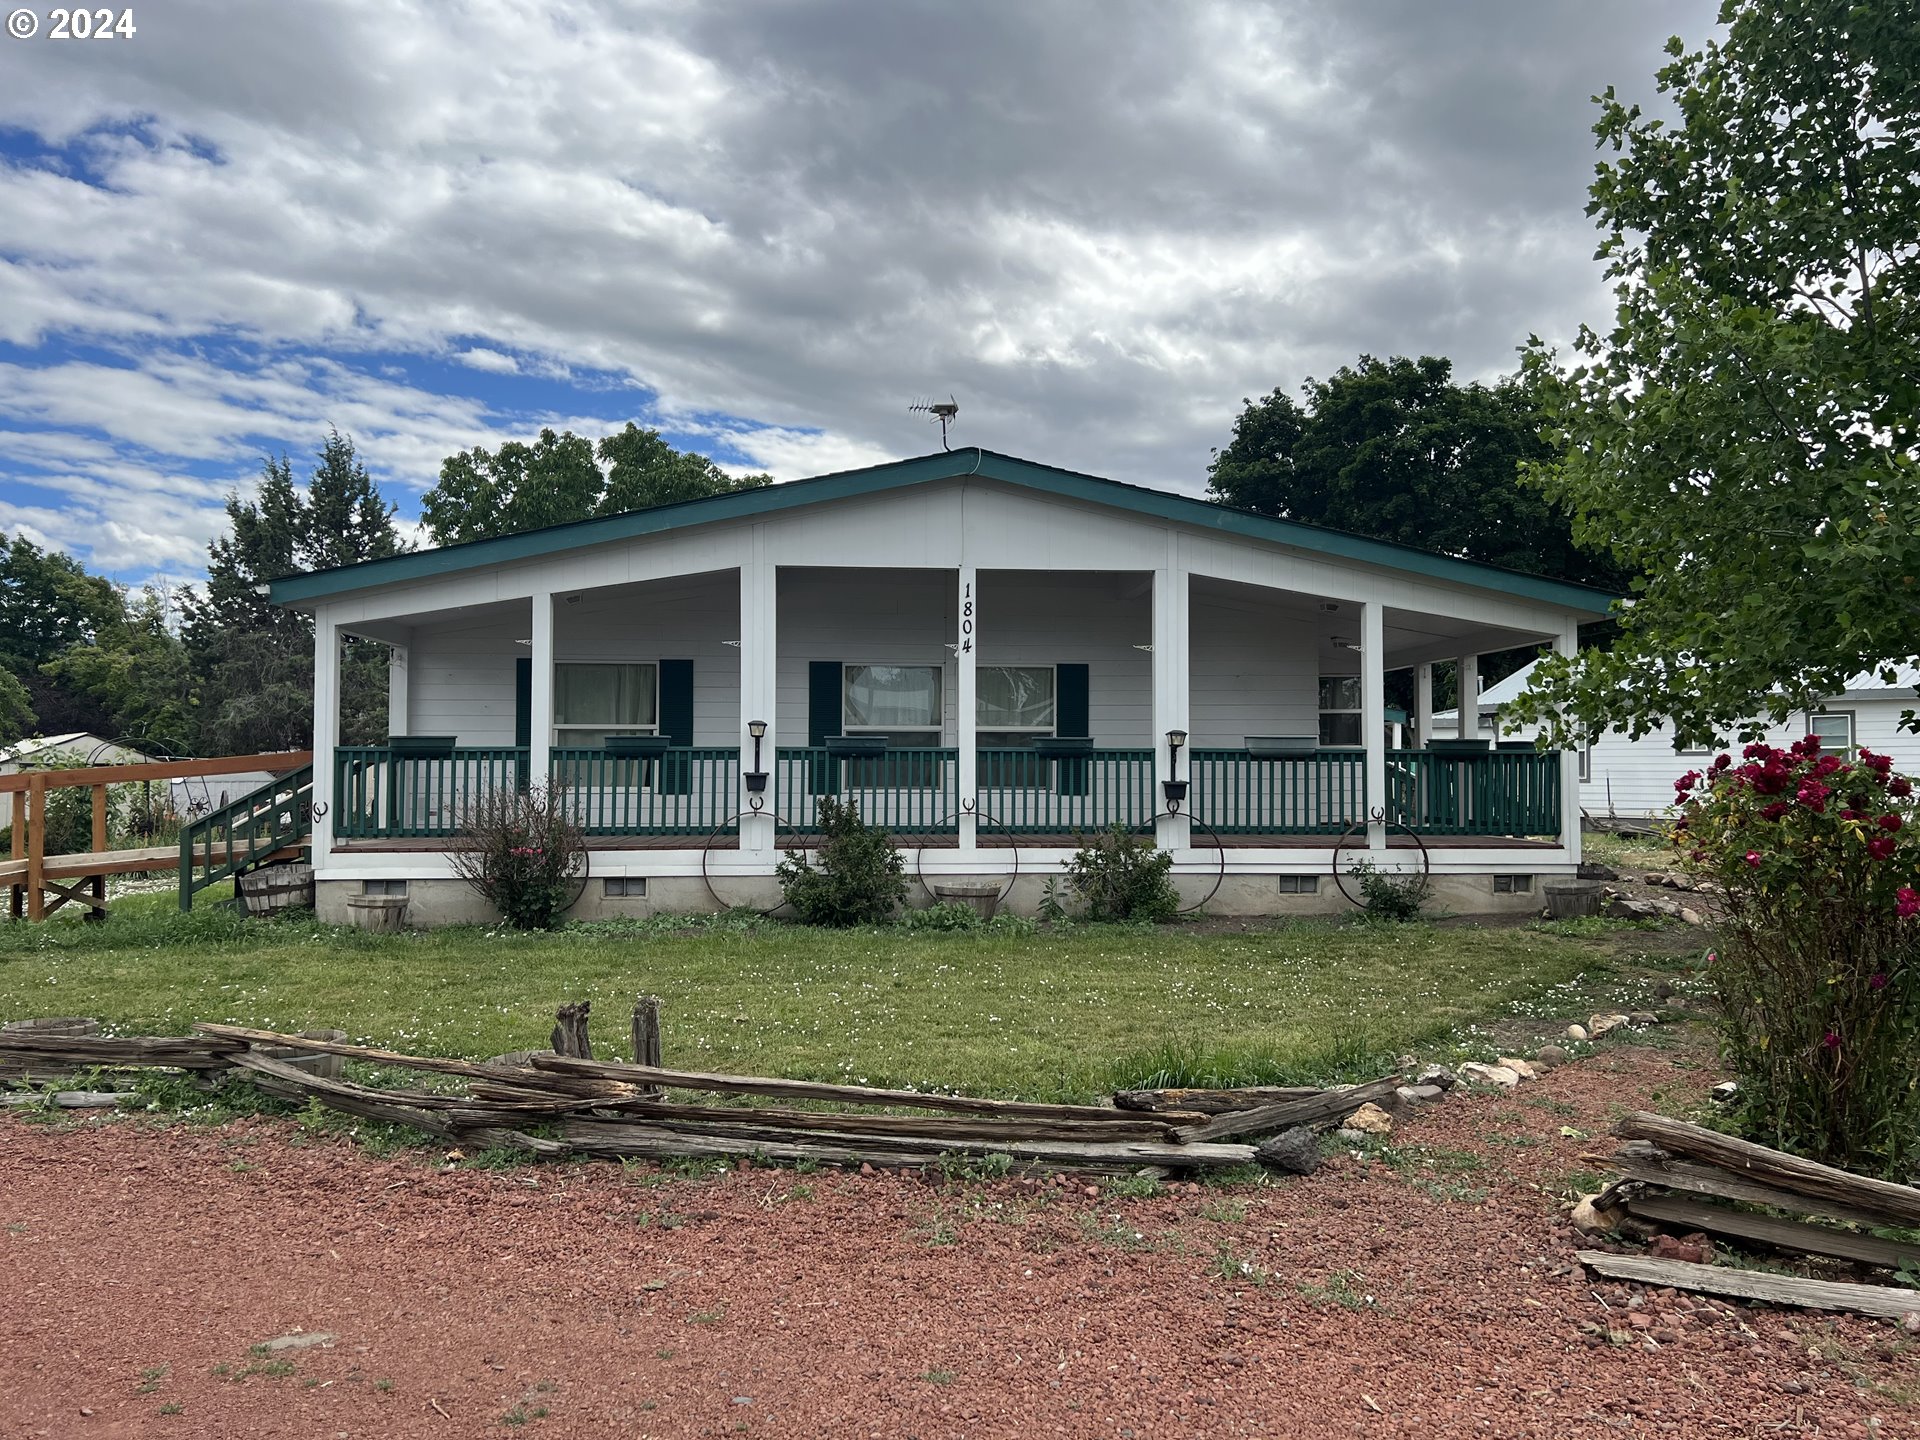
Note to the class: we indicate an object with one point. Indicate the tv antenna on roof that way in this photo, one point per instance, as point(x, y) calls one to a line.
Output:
point(945, 411)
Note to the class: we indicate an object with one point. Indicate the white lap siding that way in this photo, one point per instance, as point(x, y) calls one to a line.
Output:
point(461, 672)
point(1254, 672)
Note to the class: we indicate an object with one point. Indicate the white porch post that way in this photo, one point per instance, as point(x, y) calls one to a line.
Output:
point(1373, 717)
point(1170, 693)
point(1423, 702)
point(966, 706)
point(759, 683)
point(326, 729)
point(397, 695)
point(540, 705)
point(1469, 687)
point(1567, 642)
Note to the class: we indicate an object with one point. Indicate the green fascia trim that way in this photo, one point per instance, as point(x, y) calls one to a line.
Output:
point(944, 465)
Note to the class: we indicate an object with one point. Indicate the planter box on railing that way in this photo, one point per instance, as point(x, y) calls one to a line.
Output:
point(436, 747)
point(637, 744)
point(1281, 747)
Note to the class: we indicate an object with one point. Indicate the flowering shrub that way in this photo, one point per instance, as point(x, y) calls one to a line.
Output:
point(1815, 863)
point(523, 853)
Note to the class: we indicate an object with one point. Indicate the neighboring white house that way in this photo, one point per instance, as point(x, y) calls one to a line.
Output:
point(77, 747)
point(988, 655)
point(1632, 780)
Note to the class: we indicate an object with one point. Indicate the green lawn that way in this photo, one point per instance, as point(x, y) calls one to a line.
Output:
point(1049, 1014)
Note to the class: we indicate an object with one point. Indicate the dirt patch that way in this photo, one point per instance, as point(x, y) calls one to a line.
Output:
point(1427, 1291)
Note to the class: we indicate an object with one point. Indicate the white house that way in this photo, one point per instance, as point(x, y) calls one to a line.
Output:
point(987, 654)
point(1632, 780)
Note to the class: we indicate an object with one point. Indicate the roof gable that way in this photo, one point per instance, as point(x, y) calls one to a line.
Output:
point(945, 465)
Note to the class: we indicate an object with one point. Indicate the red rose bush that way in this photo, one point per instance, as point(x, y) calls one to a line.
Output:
point(1814, 863)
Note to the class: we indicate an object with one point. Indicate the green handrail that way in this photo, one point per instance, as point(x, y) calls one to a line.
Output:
point(1033, 794)
point(379, 794)
point(1320, 792)
point(909, 791)
point(684, 791)
point(246, 833)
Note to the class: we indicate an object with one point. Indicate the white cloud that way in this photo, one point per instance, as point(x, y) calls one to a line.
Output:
point(1099, 228)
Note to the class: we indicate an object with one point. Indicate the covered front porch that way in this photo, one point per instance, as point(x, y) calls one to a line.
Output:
point(963, 710)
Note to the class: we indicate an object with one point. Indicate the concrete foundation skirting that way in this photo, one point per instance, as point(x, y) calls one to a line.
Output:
point(440, 901)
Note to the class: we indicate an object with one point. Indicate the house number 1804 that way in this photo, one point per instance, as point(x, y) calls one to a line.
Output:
point(966, 619)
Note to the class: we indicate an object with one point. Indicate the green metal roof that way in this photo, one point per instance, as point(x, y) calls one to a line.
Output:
point(944, 465)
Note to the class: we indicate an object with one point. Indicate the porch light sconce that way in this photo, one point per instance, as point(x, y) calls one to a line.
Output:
point(756, 778)
point(1174, 788)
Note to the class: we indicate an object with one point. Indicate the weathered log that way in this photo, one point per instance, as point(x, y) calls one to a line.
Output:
point(1895, 1204)
point(957, 1130)
point(435, 1114)
point(1887, 1301)
point(1637, 1161)
point(476, 1070)
point(1796, 1236)
point(178, 1052)
point(1320, 1108)
point(66, 1099)
point(570, 1034)
point(611, 1138)
point(1213, 1102)
point(850, 1094)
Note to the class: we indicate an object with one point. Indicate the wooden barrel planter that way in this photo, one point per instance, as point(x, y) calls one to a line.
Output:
point(386, 914)
point(1569, 902)
point(983, 897)
point(274, 888)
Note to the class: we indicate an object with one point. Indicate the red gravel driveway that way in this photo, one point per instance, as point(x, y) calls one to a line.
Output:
point(144, 1265)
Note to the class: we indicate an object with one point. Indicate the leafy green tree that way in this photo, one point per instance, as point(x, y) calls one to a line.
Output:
point(17, 718)
point(559, 478)
point(138, 671)
point(1744, 434)
point(48, 603)
point(1396, 450)
point(644, 471)
point(253, 660)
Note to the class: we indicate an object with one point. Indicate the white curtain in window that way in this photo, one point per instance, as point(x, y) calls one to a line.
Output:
point(603, 695)
point(1015, 697)
point(880, 696)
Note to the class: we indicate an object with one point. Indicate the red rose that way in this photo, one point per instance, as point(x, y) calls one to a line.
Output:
point(1881, 847)
point(1888, 823)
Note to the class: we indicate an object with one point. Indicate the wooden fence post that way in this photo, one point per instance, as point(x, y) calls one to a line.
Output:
point(36, 794)
point(99, 818)
point(570, 1035)
point(646, 1036)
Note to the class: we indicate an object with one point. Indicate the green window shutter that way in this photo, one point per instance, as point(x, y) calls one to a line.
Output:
point(676, 723)
point(824, 719)
point(1072, 687)
point(522, 715)
point(523, 701)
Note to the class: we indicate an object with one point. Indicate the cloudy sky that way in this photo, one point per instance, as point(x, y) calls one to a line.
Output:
point(764, 228)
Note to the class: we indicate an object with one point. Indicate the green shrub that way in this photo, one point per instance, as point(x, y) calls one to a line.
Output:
point(1387, 896)
point(944, 915)
point(522, 852)
point(859, 879)
point(1119, 876)
point(1813, 862)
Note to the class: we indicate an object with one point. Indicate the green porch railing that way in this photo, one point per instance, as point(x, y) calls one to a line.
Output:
point(910, 791)
point(246, 833)
point(1492, 792)
point(681, 792)
point(1320, 792)
point(1033, 794)
point(378, 795)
